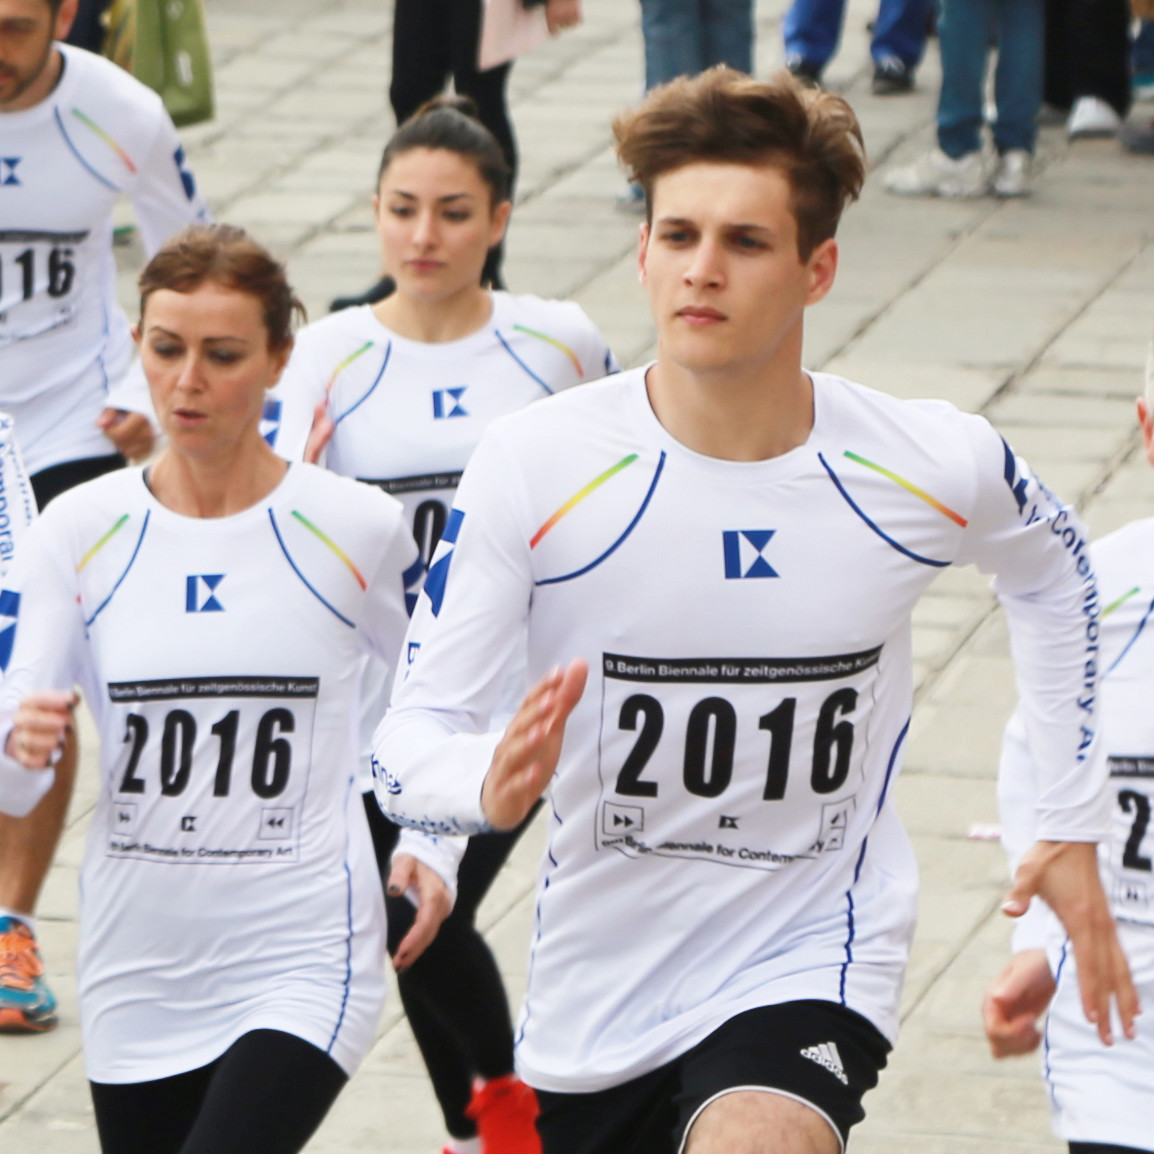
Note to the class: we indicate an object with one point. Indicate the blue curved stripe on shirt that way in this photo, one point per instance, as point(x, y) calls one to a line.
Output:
point(369, 393)
point(875, 527)
point(76, 152)
point(526, 1012)
point(851, 929)
point(1047, 1073)
point(304, 579)
point(620, 540)
point(508, 348)
point(131, 560)
point(1129, 644)
point(349, 936)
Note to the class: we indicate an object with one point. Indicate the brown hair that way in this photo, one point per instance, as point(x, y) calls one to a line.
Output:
point(453, 123)
point(725, 117)
point(225, 255)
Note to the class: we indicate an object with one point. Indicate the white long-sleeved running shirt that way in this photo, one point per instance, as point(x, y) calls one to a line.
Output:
point(17, 512)
point(17, 505)
point(409, 413)
point(228, 881)
point(1124, 564)
point(721, 835)
point(64, 163)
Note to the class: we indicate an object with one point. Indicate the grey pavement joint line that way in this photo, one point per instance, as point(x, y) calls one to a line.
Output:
point(959, 947)
point(891, 302)
point(1019, 374)
point(1117, 460)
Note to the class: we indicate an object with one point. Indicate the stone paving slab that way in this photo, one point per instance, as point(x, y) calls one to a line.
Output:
point(1035, 313)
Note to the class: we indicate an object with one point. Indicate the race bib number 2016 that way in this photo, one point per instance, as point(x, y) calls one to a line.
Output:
point(750, 762)
point(38, 273)
point(212, 769)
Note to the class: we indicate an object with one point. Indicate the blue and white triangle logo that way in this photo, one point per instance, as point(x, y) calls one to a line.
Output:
point(270, 420)
point(9, 609)
point(447, 403)
point(200, 593)
point(744, 553)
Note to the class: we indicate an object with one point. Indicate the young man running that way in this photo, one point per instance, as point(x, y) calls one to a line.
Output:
point(727, 550)
point(1101, 1101)
point(76, 133)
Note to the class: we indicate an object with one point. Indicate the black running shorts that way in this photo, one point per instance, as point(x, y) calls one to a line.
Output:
point(818, 1053)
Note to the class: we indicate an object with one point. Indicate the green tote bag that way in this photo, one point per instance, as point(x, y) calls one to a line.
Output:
point(164, 44)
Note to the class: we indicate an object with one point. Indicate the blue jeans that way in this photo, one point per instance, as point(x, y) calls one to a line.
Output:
point(812, 29)
point(964, 32)
point(1142, 54)
point(685, 37)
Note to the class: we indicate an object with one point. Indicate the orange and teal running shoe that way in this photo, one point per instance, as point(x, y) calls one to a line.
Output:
point(27, 1005)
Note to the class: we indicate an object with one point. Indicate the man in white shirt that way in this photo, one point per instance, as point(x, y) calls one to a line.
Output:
point(76, 133)
point(726, 551)
point(1101, 1101)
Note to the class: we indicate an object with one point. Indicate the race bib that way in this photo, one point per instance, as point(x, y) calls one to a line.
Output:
point(38, 281)
point(213, 769)
point(427, 500)
point(750, 762)
point(1133, 780)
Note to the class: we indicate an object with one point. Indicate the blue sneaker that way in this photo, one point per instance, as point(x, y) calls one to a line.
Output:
point(27, 1005)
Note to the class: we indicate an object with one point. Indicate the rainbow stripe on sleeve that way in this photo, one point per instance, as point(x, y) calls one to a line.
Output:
point(921, 494)
point(580, 496)
point(1120, 601)
point(555, 343)
point(333, 546)
point(345, 364)
point(102, 542)
point(88, 122)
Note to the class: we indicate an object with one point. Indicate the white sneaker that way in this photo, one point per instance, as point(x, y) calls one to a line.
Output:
point(1091, 116)
point(1012, 176)
point(936, 174)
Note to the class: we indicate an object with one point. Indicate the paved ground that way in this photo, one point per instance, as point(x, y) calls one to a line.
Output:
point(1035, 313)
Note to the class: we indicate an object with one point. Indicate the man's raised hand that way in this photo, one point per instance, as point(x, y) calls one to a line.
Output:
point(525, 759)
point(1065, 876)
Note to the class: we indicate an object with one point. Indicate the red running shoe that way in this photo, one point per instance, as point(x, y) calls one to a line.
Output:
point(505, 1110)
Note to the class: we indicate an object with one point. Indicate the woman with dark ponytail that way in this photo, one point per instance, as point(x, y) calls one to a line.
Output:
point(398, 394)
point(435, 41)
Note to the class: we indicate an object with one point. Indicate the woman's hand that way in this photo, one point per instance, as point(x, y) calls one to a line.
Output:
point(1015, 1001)
point(39, 727)
point(129, 432)
point(562, 14)
point(433, 906)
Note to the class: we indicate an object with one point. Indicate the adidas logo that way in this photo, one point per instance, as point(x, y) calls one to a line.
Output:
point(825, 1054)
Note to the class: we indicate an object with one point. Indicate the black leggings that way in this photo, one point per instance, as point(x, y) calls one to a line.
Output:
point(1100, 1148)
point(265, 1094)
point(436, 39)
point(453, 994)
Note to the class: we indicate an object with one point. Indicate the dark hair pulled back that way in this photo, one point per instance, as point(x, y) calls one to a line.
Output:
point(452, 123)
